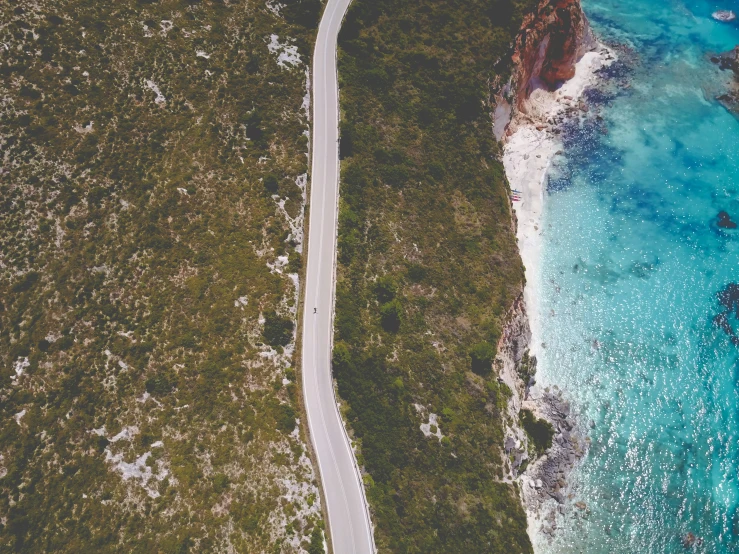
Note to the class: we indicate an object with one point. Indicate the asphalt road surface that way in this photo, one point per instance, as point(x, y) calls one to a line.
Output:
point(348, 515)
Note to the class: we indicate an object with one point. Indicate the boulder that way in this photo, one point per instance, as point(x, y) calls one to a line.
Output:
point(728, 60)
point(510, 444)
point(725, 222)
point(724, 15)
point(552, 38)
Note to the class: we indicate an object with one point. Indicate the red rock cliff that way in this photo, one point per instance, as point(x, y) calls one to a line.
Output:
point(551, 41)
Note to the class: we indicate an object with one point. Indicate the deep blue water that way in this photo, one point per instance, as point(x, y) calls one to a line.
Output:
point(633, 268)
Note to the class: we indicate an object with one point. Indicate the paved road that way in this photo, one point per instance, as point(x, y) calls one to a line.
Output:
point(349, 522)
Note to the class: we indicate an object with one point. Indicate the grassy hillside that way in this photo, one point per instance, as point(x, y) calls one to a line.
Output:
point(151, 199)
point(428, 267)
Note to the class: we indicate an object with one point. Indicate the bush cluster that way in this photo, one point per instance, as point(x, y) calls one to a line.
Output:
point(428, 267)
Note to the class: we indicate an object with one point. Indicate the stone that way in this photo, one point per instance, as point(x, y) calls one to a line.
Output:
point(549, 45)
point(580, 505)
point(510, 443)
point(729, 297)
point(724, 15)
point(725, 222)
point(517, 459)
point(728, 60)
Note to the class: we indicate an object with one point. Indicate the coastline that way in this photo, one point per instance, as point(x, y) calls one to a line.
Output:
point(531, 145)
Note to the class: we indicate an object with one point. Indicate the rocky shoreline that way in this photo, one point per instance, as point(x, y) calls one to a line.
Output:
point(556, 58)
point(545, 491)
point(536, 120)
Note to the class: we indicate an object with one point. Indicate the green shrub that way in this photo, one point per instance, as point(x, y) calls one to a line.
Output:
point(341, 355)
point(278, 330)
point(346, 144)
point(271, 183)
point(302, 12)
point(295, 262)
point(159, 384)
point(391, 314)
point(285, 417)
point(417, 273)
point(481, 356)
point(220, 483)
point(540, 431)
point(386, 288)
point(26, 282)
point(316, 542)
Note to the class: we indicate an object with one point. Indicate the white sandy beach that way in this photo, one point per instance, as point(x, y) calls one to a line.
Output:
point(528, 154)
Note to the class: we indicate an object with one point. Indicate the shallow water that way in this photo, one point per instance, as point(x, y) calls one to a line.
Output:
point(633, 264)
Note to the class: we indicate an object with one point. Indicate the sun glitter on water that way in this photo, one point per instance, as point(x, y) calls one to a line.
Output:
point(634, 266)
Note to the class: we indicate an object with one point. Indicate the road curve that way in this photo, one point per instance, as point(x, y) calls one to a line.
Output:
point(348, 514)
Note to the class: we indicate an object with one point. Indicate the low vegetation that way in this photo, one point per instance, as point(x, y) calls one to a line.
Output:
point(428, 267)
point(539, 431)
point(151, 202)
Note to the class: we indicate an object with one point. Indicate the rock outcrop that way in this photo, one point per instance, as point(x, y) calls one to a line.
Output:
point(512, 347)
point(544, 489)
point(729, 61)
point(724, 15)
point(552, 40)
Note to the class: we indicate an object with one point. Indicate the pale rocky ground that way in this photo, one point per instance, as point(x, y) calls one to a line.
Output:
point(141, 259)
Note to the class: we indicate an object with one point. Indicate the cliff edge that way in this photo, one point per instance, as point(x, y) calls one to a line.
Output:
point(552, 39)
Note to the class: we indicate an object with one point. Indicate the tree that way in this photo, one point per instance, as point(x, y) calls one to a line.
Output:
point(346, 144)
point(341, 357)
point(285, 416)
point(391, 316)
point(316, 542)
point(159, 384)
point(386, 288)
point(278, 331)
point(482, 355)
point(540, 431)
point(302, 12)
point(271, 184)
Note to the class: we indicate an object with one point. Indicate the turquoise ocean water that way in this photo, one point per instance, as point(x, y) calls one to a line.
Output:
point(634, 265)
